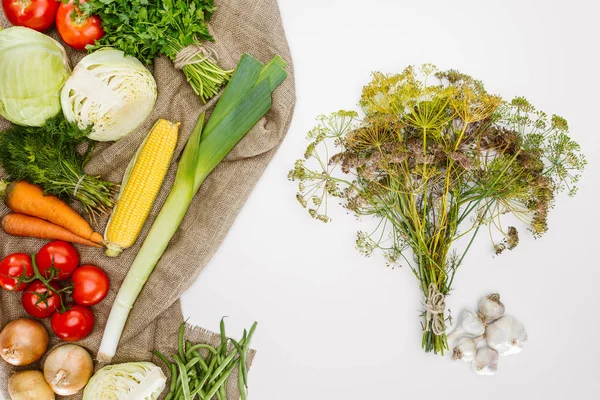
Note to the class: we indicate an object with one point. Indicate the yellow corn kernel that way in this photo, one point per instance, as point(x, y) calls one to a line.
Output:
point(142, 182)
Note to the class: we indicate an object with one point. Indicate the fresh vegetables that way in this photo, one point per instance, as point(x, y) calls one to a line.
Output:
point(196, 376)
point(74, 324)
point(244, 102)
point(23, 341)
point(48, 157)
point(33, 69)
point(41, 300)
point(111, 92)
point(26, 226)
point(75, 29)
point(43, 278)
point(485, 362)
point(90, 285)
point(58, 255)
point(12, 267)
point(35, 14)
point(141, 184)
point(130, 381)
point(24, 198)
point(29, 385)
point(67, 369)
point(434, 160)
point(175, 29)
point(503, 335)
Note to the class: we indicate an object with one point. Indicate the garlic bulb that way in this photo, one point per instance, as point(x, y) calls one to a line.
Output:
point(465, 350)
point(468, 325)
point(486, 361)
point(506, 336)
point(491, 307)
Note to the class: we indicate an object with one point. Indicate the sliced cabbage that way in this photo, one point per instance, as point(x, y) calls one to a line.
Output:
point(111, 92)
point(130, 381)
point(33, 69)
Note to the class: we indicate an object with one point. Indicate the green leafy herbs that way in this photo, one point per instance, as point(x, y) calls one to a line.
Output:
point(146, 29)
point(202, 371)
point(434, 159)
point(48, 156)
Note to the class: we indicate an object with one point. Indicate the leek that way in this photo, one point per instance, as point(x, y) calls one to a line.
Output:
point(244, 102)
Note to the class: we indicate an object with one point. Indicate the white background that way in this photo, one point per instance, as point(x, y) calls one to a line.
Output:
point(335, 325)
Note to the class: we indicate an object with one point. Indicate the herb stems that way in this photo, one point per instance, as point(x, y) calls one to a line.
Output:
point(194, 376)
point(205, 77)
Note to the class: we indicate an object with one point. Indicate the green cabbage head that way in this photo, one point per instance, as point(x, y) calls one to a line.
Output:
point(111, 92)
point(130, 381)
point(33, 69)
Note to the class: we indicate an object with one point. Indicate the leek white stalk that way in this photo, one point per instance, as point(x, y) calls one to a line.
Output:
point(244, 102)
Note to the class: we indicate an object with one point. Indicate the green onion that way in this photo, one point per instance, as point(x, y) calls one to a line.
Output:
point(245, 101)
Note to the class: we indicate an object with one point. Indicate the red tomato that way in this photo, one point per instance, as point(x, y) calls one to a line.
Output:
point(62, 256)
point(35, 14)
point(74, 324)
point(90, 285)
point(12, 267)
point(38, 301)
point(80, 31)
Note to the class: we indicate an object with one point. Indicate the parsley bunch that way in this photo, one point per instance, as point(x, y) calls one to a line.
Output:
point(146, 29)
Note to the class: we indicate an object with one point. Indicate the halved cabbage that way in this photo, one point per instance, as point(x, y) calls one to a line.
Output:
point(130, 381)
point(110, 91)
point(33, 69)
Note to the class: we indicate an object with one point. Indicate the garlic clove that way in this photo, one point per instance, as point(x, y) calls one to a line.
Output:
point(468, 325)
point(465, 350)
point(485, 362)
point(491, 307)
point(507, 336)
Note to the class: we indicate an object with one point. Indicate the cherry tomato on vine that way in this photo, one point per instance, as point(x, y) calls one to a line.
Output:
point(38, 301)
point(74, 324)
point(90, 285)
point(12, 267)
point(35, 14)
point(61, 255)
point(79, 31)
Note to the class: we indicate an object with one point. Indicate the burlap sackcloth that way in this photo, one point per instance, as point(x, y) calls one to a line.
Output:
point(239, 26)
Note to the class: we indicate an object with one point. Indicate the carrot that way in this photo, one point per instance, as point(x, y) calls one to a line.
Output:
point(24, 198)
point(25, 226)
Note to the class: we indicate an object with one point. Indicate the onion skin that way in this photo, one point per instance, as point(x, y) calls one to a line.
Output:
point(29, 385)
point(68, 369)
point(23, 341)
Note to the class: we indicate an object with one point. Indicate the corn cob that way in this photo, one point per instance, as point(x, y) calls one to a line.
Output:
point(141, 184)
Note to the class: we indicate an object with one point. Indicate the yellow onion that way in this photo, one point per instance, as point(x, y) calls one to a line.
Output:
point(29, 385)
point(23, 341)
point(68, 369)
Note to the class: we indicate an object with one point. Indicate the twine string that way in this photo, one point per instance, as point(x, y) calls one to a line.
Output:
point(435, 306)
point(194, 54)
point(78, 185)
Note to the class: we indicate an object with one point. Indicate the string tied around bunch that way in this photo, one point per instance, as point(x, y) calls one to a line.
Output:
point(435, 306)
point(194, 54)
point(78, 185)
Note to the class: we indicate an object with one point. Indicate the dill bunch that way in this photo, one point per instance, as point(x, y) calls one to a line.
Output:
point(435, 158)
point(48, 156)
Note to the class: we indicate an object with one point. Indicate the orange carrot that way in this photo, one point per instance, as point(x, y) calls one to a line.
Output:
point(25, 198)
point(25, 226)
